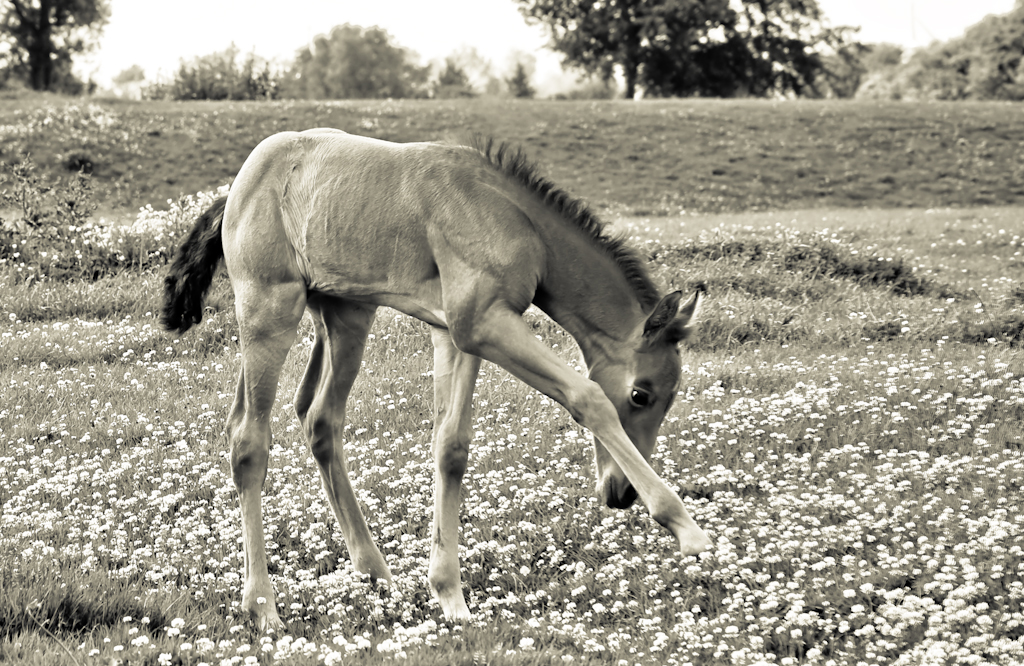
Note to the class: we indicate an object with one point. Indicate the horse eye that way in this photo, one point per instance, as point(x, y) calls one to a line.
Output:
point(639, 398)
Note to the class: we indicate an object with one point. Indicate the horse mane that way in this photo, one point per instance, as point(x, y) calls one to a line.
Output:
point(513, 163)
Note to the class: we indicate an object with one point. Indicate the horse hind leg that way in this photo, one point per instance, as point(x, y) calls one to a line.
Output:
point(455, 376)
point(268, 316)
point(341, 329)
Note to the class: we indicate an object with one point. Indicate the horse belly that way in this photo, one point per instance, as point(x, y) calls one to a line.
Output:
point(381, 263)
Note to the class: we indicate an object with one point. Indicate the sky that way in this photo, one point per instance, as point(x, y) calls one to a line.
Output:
point(156, 35)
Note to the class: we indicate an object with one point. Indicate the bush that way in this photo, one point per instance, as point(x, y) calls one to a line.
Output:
point(53, 237)
point(219, 76)
point(591, 89)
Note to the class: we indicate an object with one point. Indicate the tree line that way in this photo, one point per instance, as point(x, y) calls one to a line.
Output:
point(39, 40)
point(349, 62)
point(985, 63)
point(661, 48)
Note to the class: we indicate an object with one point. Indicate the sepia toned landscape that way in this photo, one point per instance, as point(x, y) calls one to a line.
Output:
point(848, 429)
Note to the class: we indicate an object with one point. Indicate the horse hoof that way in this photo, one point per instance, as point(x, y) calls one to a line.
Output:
point(456, 613)
point(695, 544)
point(267, 621)
point(271, 625)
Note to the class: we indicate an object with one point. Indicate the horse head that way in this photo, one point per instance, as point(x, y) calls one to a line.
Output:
point(641, 380)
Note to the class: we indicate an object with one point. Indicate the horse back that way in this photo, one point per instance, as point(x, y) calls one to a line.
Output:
point(383, 222)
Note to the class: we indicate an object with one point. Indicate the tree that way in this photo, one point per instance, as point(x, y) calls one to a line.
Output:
point(692, 47)
point(857, 67)
point(519, 83)
point(44, 36)
point(785, 41)
point(478, 69)
point(844, 70)
point(594, 35)
point(877, 57)
point(357, 62)
point(453, 81)
point(996, 48)
point(986, 62)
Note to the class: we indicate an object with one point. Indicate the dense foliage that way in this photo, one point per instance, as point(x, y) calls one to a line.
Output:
point(982, 64)
point(710, 48)
point(356, 62)
point(222, 75)
point(43, 36)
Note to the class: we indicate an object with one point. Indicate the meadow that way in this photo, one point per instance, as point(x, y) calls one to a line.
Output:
point(661, 157)
point(849, 430)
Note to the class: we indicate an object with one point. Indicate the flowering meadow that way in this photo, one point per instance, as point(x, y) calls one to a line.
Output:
point(849, 430)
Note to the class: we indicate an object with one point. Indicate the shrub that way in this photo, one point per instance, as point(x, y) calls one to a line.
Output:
point(591, 89)
point(219, 76)
point(27, 193)
point(812, 258)
point(55, 239)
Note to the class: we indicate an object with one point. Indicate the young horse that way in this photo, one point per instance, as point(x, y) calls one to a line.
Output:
point(464, 239)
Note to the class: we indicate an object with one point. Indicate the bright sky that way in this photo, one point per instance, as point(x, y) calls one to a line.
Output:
point(156, 35)
point(911, 23)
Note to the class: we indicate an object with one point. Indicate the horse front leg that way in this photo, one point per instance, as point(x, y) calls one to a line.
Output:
point(455, 376)
point(499, 335)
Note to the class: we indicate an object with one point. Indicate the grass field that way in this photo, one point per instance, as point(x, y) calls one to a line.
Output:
point(658, 157)
point(849, 431)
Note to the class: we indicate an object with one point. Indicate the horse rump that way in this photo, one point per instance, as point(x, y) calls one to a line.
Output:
point(191, 273)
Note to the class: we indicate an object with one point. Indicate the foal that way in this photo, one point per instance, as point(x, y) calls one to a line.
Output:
point(464, 239)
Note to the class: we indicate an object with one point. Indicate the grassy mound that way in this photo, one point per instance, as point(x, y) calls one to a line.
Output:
point(816, 261)
point(648, 158)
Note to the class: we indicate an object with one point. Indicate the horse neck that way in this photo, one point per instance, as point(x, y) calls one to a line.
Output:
point(586, 293)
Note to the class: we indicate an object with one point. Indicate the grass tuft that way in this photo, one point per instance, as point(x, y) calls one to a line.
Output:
point(815, 260)
point(39, 602)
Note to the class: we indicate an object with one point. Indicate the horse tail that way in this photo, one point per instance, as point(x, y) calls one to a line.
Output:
point(191, 274)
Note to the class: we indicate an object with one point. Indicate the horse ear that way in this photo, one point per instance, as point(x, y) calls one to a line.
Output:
point(663, 314)
point(670, 320)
